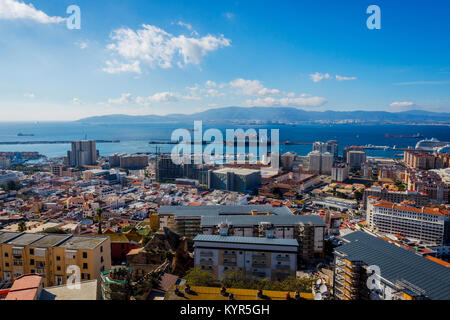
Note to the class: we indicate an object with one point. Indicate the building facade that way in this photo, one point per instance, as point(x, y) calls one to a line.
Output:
point(54, 256)
point(253, 256)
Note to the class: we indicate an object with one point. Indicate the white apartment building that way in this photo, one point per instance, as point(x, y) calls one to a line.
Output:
point(253, 256)
point(427, 224)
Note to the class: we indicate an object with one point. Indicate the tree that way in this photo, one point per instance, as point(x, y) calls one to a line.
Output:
point(99, 218)
point(197, 277)
point(11, 185)
point(54, 230)
point(22, 226)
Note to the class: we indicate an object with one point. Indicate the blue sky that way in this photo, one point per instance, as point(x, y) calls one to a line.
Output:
point(160, 57)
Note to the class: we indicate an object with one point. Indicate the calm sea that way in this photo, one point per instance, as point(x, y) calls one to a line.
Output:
point(135, 137)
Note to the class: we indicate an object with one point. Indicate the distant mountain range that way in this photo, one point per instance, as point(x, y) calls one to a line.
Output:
point(278, 114)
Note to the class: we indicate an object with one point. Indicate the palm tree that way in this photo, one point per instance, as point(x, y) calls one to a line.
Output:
point(22, 226)
point(99, 218)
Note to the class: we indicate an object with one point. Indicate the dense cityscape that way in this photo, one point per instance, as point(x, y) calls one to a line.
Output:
point(138, 226)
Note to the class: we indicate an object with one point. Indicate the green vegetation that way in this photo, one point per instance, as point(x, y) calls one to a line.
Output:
point(11, 186)
point(21, 226)
point(238, 280)
point(54, 230)
point(358, 195)
point(128, 228)
point(197, 277)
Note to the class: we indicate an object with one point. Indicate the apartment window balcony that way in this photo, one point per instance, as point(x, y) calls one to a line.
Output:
point(229, 263)
point(204, 261)
point(283, 258)
point(259, 273)
point(282, 266)
point(18, 263)
point(259, 256)
point(206, 254)
point(229, 255)
point(259, 264)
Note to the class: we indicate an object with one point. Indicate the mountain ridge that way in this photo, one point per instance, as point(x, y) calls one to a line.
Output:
point(278, 114)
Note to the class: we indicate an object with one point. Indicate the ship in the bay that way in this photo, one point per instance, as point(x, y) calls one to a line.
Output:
point(417, 136)
point(430, 144)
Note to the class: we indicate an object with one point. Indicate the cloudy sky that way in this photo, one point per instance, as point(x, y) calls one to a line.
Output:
point(160, 57)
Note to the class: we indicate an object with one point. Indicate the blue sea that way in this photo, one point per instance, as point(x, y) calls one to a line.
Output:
point(135, 137)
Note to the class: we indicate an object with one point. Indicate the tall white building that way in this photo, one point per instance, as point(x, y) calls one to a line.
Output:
point(82, 153)
point(339, 172)
point(355, 158)
point(320, 163)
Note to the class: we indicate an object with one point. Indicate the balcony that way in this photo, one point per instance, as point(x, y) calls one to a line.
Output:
point(283, 258)
point(282, 267)
point(259, 264)
point(259, 273)
point(206, 254)
point(259, 256)
point(229, 255)
point(204, 261)
point(229, 263)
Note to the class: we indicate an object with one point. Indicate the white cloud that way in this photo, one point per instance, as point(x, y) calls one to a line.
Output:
point(402, 104)
point(214, 93)
point(317, 77)
point(302, 101)
point(210, 84)
point(77, 101)
point(114, 67)
point(125, 98)
point(13, 9)
point(341, 78)
point(158, 48)
point(29, 95)
point(165, 97)
point(253, 88)
point(82, 44)
point(229, 15)
point(128, 99)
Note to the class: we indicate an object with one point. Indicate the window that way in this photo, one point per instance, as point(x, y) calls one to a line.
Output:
point(58, 258)
point(85, 265)
point(58, 268)
point(6, 264)
point(101, 259)
point(84, 255)
point(6, 254)
point(32, 262)
point(32, 251)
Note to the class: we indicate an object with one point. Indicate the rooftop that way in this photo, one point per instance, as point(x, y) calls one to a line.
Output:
point(87, 291)
point(213, 293)
point(83, 242)
point(213, 210)
point(7, 236)
point(253, 220)
point(245, 240)
point(398, 264)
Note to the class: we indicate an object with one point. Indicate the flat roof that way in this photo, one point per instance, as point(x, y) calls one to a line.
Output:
point(249, 220)
point(50, 240)
point(220, 210)
point(26, 239)
point(245, 240)
point(83, 242)
point(398, 264)
point(87, 291)
point(7, 236)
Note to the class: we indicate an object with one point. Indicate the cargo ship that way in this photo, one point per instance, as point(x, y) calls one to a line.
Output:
point(417, 136)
